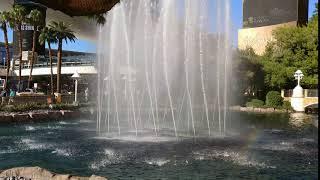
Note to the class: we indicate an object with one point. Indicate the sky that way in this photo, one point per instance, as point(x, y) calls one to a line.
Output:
point(236, 15)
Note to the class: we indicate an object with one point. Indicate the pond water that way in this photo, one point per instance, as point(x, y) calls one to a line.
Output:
point(270, 146)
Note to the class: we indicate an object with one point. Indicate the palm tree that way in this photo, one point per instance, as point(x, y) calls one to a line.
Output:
point(98, 18)
point(62, 32)
point(5, 20)
point(19, 14)
point(34, 19)
point(47, 35)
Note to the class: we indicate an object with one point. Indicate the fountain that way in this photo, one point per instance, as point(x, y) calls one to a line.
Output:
point(164, 68)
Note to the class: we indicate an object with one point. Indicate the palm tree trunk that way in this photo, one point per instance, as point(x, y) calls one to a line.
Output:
point(33, 53)
point(59, 66)
point(5, 31)
point(51, 75)
point(20, 54)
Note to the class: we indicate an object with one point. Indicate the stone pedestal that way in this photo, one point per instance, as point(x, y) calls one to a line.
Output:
point(297, 99)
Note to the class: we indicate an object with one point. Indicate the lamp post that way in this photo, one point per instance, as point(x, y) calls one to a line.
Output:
point(76, 77)
point(298, 75)
point(297, 95)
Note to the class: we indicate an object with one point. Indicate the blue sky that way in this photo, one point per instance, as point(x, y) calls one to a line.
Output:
point(236, 6)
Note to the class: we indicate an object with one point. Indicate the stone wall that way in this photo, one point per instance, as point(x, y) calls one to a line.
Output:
point(43, 115)
point(258, 110)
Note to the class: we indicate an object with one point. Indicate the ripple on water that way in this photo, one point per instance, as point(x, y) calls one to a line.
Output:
point(109, 157)
point(31, 144)
point(67, 123)
point(62, 152)
point(292, 145)
point(157, 161)
point(30, 128)
point(238, 158)
point(7, 151)
point(85, 121)
point(138, 138)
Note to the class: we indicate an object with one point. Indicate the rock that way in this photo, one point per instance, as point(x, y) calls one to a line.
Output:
point(6, 118)
point(27, 172)
point(37, 173)
point(21, 117)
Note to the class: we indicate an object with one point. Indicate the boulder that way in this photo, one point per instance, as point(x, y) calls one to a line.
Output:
point(42, 174)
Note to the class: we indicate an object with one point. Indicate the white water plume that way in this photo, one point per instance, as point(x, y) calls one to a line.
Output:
point(164, 65)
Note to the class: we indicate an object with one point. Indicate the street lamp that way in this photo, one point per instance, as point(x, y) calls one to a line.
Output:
point(76, 77)
point(298, 75)
point(297, 95)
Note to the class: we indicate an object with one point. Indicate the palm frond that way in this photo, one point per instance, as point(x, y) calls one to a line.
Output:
point(62, 31)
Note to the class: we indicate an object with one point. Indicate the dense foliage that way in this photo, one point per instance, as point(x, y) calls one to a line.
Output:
point(274, 99)
point(38, 106)
point(287, 105)
point(248, 71)
point(293, 48)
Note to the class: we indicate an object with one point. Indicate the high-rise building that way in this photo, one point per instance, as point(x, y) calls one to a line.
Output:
point(261, 17)
point(27, 32)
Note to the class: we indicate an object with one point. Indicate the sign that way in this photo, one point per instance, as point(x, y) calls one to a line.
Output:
point(25, 55)
point(2, 83)
point(35, 85)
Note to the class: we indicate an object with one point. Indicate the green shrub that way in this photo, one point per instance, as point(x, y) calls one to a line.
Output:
point(255, 103)
point(286, 105)
point(37, 106)
point(64, 107)
point(23, 107)
point(274, 99)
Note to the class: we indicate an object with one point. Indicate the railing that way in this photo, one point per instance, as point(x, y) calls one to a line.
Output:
point(287, 93)
point(307, 93)
point(312, 93)
point(64, 64)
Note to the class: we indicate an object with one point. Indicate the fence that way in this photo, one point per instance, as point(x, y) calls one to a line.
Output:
point(311, 93)
point(307, 93)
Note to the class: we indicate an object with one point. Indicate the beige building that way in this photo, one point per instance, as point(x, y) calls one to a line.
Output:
point(257, 38)
point(261, 17)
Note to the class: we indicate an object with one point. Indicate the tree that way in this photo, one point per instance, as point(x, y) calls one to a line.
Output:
point(98, 18)
point(5, 20)
point(47, 35)
point(19, 14)
point(34, 19)
point(248, 72)
point(62, 32)
point(293, 48)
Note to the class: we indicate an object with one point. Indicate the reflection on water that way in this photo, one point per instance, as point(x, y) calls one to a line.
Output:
point(298, 120)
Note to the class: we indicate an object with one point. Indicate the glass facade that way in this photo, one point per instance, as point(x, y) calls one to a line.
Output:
point(257, 13)
point(3, 54)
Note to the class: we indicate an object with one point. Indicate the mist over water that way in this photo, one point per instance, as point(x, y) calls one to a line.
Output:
point(161, 71)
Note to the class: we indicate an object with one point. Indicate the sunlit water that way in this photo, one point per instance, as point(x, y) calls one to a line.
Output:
point(274, 146)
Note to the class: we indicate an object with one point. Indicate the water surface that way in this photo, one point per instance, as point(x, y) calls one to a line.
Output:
point(274, 146)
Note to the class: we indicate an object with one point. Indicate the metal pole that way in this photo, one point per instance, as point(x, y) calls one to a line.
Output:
point(76, 91)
